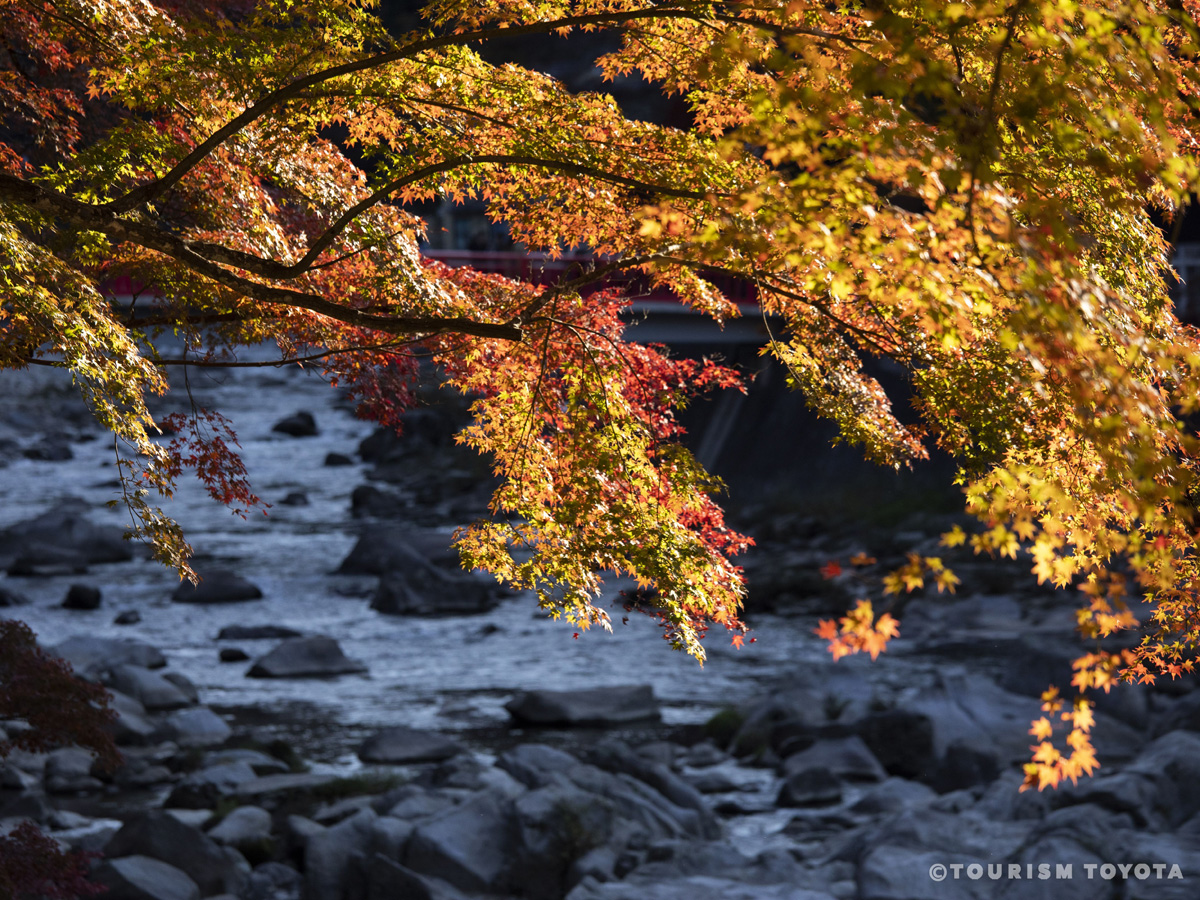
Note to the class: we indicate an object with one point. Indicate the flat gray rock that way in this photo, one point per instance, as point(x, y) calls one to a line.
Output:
point(400, 745)
point(306, 657)
point(616, 705)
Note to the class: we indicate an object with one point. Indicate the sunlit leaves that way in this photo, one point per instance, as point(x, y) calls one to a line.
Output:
point(958, 192)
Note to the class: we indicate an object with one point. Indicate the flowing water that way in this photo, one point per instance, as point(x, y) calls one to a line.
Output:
point(452, 674)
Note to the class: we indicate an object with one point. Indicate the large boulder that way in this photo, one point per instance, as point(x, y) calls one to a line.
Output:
point(638, 806)
point(318, 656)
point(471, 846)
point(144, 878)
point(400, 746)
point(617, 705)
point(968, 709)
point(332, 855)
point(1160, 788)
point(217, 586)
point(162, 836)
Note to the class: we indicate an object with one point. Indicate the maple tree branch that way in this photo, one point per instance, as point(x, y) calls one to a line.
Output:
point(150, 191)
point(272, 269)
point(94, 218)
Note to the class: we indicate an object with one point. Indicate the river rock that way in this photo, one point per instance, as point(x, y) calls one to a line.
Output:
point(331, 855)
point(335, 460)
point(256, 633)
point(67, 528)
point(617, 705)
point(50, 451)
point(261, 763)
point(149, 688)
point(892, 796)
point(1160, 787)
point(160, 835)
point(471, 846)
point(814, 786)
point(245, 825)
point(397, 596)
point(144, 878)
point(318, 656)
point(847, 758)
point(199, 727)
point(204, 788)
point(384, 548)
point(617, 757)
point(271, 880)
point(366, 500)
point(127, 617)
point(69, 769)
point(386, 878)
point(233, 654)
point(217, 586)
point(82, 596)
point(40, 560)
point(132, 726)
point(902, 741)
point(90, 656)
point(535, 764)
point(400, 746)
point(302, 424)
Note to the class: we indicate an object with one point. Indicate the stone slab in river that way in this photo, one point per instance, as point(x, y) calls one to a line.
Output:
point(595, 706)
point(306, 657)
point(400, 746)
point(217, 586)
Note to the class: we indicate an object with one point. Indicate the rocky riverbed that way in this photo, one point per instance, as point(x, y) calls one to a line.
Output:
point(339, 713)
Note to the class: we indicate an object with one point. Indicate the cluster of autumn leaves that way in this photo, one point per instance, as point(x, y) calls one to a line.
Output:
point(968, 190)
